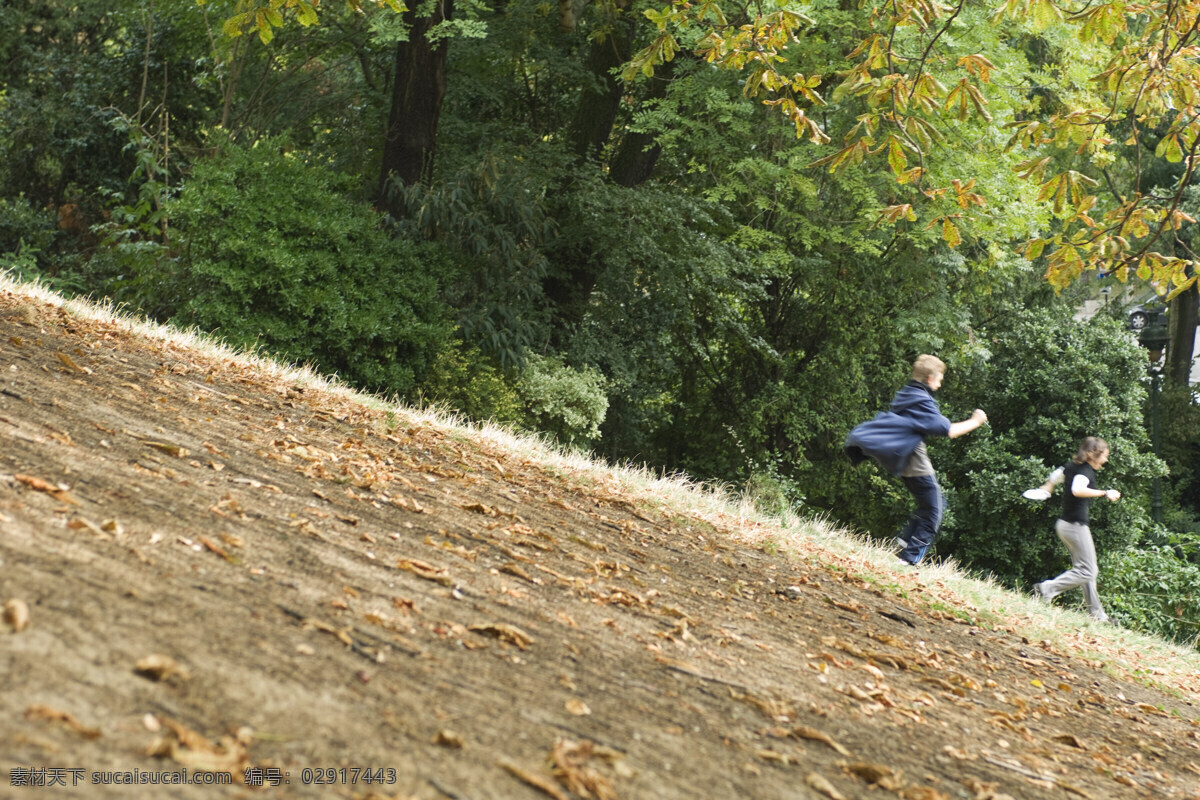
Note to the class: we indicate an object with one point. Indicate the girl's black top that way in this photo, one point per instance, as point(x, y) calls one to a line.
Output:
point(1075, 509)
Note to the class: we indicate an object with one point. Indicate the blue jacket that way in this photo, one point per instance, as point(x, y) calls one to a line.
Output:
point(892, 436)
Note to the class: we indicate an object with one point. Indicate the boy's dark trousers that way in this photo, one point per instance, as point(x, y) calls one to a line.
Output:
point(923, 525)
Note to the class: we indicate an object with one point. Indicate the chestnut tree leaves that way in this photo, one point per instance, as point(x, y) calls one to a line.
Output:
point(262, 17)
point(1113, 96)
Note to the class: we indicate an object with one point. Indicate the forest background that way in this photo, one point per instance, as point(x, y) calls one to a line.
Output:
point(709, 238)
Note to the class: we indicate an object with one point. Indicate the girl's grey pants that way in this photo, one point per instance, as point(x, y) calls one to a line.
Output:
point(1078, 539)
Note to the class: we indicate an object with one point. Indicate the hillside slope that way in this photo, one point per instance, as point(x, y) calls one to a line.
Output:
point(227, 569)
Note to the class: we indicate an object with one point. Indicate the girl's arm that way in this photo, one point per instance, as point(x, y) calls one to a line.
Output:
point(1080, 488)
point(1055, 479)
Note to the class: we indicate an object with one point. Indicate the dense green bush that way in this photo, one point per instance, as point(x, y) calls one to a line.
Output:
point(31, 246)
point(565, 402)
point(464, 381)
point(1153, 588)
point(26, 234)
point(492, 215)
point(273, 255)
point(24, 227)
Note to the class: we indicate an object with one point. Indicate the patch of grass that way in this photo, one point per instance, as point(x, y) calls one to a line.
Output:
point(952, 611)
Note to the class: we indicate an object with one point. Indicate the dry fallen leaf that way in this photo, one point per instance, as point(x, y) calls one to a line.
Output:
point(215, 548)
point(340, 634)
point(425, 570)
point(774, 756)
point(577, 707)
point(923, 793)
point(159, 667)
point(449, 739)
point(1149, 709)
point(534, 779)
point(875, 671)
point(985, 790)
point(512, 569)
point(253, 484)
point(37, 484)
point(197, 752)
point(805, 732)
point(821, 784)
point(1069, 739)
point(871, 773)
point(49, 714)
point(170, 449)
point(961, 755)
point(504, 632)
point(572, 769)
point(16, 614)
point(70, 364)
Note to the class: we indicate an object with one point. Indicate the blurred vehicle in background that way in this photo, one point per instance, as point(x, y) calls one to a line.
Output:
point(1150, 311)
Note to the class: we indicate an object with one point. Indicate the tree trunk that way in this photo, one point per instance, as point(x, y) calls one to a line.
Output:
point(1182, 318)
point(418, 88)
point(598, 102)
point(634, 161)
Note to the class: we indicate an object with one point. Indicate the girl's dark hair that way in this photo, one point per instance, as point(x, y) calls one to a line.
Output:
point(1090, 446)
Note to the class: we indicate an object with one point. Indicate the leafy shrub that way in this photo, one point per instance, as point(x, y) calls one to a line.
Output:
point(1154, 588)
point(22, 264)
point(32, 247)
point(563, 401)
point(492, 217)
point(771, 490)
point(462, 379)
point(24, 229)
point(274, 255)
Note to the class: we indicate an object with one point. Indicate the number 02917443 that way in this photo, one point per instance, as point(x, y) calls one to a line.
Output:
point(328, 776)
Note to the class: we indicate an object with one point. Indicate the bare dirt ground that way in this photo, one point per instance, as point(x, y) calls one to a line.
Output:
point(209, 570)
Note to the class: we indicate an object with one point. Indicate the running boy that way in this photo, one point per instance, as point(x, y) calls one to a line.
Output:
point(896, 439)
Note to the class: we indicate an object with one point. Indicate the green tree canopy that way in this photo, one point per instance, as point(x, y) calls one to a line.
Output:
point(1108, 75)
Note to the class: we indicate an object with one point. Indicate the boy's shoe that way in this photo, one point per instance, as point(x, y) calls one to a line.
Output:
point(898, 545)
point(1040, 593)
point(900, 562)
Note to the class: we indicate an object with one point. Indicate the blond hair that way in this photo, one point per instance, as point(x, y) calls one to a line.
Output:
point(926, 366)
